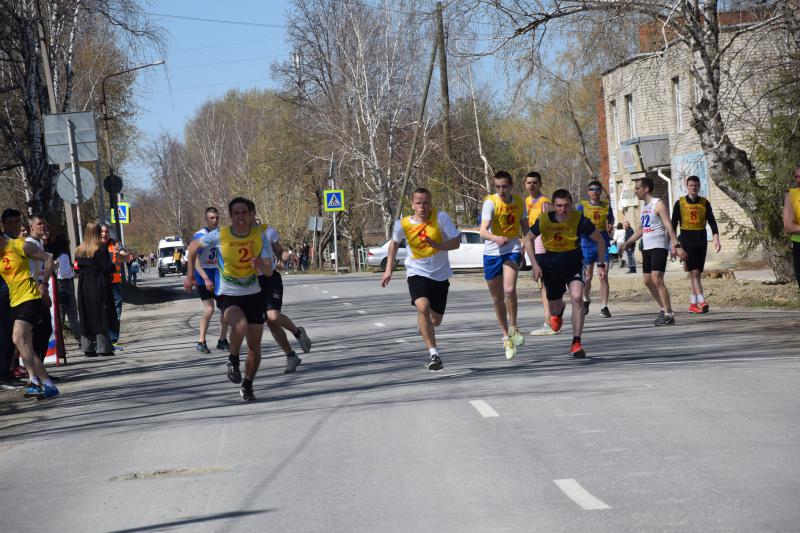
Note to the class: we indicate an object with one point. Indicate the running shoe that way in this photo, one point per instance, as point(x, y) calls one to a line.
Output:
point(517, 337)
point(665, 320)
point(576, 350)
point(292, 362)
point(49, 391)
point(234, 374)
point(544, 330)
point(303, 340)
point(223, 344)
point(511, 350)
point(704, 306)
point(556, 322)
point(605, 313)
point(202, 347)
point(33, 391)
point(695, 309)
point(586, 306)
point(247, 393)
point(435, 363)
point(659, 318)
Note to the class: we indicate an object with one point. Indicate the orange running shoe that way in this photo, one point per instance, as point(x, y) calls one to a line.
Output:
point(695, 309)
point(704, 306)
point(556, 322)
point(577, 350)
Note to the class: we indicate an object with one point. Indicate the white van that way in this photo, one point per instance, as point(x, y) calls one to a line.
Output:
point(166, 248)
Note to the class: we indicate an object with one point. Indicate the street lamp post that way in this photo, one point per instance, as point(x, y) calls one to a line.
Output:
point(113, 198)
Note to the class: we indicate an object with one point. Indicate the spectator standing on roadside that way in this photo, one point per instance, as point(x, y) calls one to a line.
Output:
point(631, 260)
point(791, 221)
point(133, 268)
point(117, 255)
point(152, 260)
point(96, 302)
point(304, 251)
point(65, 276)
point(10, 222)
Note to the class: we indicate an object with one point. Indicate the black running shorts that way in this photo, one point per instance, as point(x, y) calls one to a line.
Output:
point(252, 305)
point(203, 293)
point(558, 271)
point(434, 291)
point(272, 291)
point(697, 257)
point(654, 260)
point(34, 312)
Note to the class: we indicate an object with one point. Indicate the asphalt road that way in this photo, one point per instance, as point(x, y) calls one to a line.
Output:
point(686, 428)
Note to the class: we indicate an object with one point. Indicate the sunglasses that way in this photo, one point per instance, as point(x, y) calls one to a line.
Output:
point(595, 189)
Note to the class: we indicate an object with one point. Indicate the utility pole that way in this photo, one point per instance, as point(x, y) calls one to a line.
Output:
point(51, 96)
point(332, 185)
point(443, 81)
point(415, 139)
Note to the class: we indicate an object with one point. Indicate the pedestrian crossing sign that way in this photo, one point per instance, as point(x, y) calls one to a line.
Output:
point(334, 200)
point(124, 213)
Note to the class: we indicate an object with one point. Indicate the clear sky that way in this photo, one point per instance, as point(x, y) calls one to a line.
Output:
point(206, 59)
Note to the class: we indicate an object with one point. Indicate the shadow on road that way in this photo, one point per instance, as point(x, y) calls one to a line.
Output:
point(193, 520)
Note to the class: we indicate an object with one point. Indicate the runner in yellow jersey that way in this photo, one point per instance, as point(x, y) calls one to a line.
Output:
point(429, 234)
point(601, 215)
point(561, 266)
point(691, 213)
point(503, 223)
point(242, 252)
point(536, 203)
point(28, 308)
point(791, 221)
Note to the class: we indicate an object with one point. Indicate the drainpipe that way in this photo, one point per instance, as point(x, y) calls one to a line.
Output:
point(669, 190)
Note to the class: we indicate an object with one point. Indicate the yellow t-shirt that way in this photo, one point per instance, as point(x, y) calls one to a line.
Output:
point(416, 234)
point(534, 207)
point(16, 271)
point(794, 201)
point(693, 216)
point(236, 254)
point(506, 217)
point(598, 214)
point(560, 236)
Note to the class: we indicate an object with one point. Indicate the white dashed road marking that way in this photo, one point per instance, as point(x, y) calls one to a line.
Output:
point(324, 292)
point(484, 409)
point(361, 312)
point(379, 324)
point(348, 304)
point(579, 495)
point(335, 297)
point(400, 341)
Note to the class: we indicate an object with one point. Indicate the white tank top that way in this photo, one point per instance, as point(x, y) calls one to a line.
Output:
point(653, 233)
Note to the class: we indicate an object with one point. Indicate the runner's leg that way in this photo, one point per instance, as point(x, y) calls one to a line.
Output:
point(498, 300)
point(425, 322)
point(205, 318)
point(253, 334)
point(22, 337)
point(588, 275)
point(576, 298)
point(238, 325)
point(510, 291)
point(663, 293)
point(604, 289)
point(651, 285)
point(273, 323)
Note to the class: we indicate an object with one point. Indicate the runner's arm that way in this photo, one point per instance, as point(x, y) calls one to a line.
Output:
point(712, 222)
point(33, 252)
point(191, 253)
point(390, 257)
point(633, 238)
point(602, 249)
point(789, 225)
point(674, 246)
point(676, 214)
point(486, 220)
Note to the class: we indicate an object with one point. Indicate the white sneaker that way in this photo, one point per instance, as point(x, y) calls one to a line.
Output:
point(544, 330)
point(303, 340)
point(517, 337)
point(511, 350)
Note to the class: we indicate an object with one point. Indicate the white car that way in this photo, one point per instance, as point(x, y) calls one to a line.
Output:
point(470, 253)
point(376, 256)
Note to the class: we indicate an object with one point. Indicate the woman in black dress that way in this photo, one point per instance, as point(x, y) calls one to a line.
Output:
point(95, 301)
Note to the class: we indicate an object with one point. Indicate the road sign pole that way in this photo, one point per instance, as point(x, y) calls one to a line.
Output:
point(76, 177)
point(100, 196)
point(335, 244)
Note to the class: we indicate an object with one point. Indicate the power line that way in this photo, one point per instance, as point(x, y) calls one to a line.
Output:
point(225, 45)
point(219, 21)
point(206, 86)
point(229, 62)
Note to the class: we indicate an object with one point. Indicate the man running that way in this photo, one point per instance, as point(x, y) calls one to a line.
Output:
point(503, 221)
point(206, 279)
point(691, 213)
point(601, 215)
point(29, 309)
point(117, 255)
point(37, 231)
point(561, 267)
point(791, 221)
point(535, 204)
point(272, 291)
point(429, 234)
point(658, 240)
point(242, 252)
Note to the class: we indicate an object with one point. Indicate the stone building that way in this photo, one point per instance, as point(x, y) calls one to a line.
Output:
point(644, 114)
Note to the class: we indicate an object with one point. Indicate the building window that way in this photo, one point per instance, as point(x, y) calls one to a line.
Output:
point(676, 103)
point(630, 117)
point(614, 123)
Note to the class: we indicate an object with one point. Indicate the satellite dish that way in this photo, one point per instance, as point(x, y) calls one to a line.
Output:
point(66, 186)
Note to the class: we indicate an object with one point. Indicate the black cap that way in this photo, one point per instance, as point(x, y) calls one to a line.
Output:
point(9, 213)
